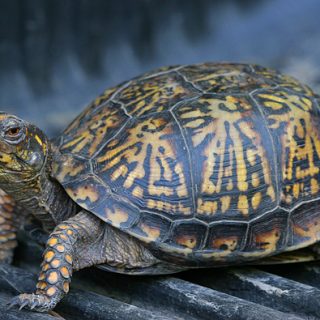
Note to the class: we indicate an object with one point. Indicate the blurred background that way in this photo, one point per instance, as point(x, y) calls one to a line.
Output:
point(57, 55)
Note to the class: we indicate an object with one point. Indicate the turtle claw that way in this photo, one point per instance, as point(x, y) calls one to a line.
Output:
point(12, 303)
point(32, 301)
point(23, 305)
point(33, 305)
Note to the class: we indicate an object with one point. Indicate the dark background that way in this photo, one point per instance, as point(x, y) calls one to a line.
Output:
point(57, 55)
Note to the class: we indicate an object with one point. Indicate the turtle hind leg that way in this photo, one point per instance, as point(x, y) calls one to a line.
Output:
point(127, 255)
point(8, 227)
point(81, 241)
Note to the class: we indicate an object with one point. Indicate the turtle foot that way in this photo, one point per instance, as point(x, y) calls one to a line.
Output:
point(37, 302)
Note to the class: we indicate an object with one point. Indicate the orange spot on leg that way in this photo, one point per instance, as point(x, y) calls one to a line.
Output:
point(65, 272)
point(68, 258)
point(63, 226)
point(60, 248)
point(51, 291)
point(55, 263)
point(52, 242)
point(66, 286)
point(53, 277)
point(46, 267)
point(48, 256)
point(64, 237)
point(41, 276)
point(41, 285)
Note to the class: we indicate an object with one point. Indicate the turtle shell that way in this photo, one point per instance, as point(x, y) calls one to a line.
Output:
point(205, 164)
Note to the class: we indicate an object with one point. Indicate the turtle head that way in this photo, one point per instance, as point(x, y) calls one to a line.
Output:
point(23, 149)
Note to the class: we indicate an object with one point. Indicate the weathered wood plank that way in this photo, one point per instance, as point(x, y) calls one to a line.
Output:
point(78, 303)
point(183, 298)
point(265, 289)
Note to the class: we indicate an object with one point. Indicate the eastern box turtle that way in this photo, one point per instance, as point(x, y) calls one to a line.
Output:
point(183, 167)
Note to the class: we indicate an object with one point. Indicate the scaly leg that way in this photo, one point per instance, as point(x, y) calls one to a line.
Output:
point(8, 227)
point(56, 268)
point(81, 241)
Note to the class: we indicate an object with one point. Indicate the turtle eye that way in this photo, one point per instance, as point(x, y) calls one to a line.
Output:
point(13, 132)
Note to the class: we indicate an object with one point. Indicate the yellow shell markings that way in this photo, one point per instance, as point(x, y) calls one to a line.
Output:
point(310, 232)
point(229, 243)
point(152, 233)
point(224, 77)
point(153, 95)
point(225, 203)
point(295, 85)
point(268, 240)
point(256, 199)
point(94, 132)
point(189, 241)
point(146, 139)
point(281, 80)
point(84, 193)
point(263, 244)
point(224, 80)
point(117, 216)
point(226, 157)
point(68, 167)
point(290, 116)
point(87, 112)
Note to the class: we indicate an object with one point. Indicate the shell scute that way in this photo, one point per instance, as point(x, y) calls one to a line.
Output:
point(189, 235)
point(291, 119)
point(92, 132)
point(117, 213)
point(232, 157)
point(88, 192)
point(305, 226)
point(70, 167)
point(282, 80)
point(155, 94)
point(226, 237)
point(151, 227)
point(268, 233)
point(147, 164)
point(225, 78)
point(91, 108)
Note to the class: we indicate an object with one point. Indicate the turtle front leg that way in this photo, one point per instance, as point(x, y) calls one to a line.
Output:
point(83, 241)
point(69, 239)
point(8, 227)
point(56, 268)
